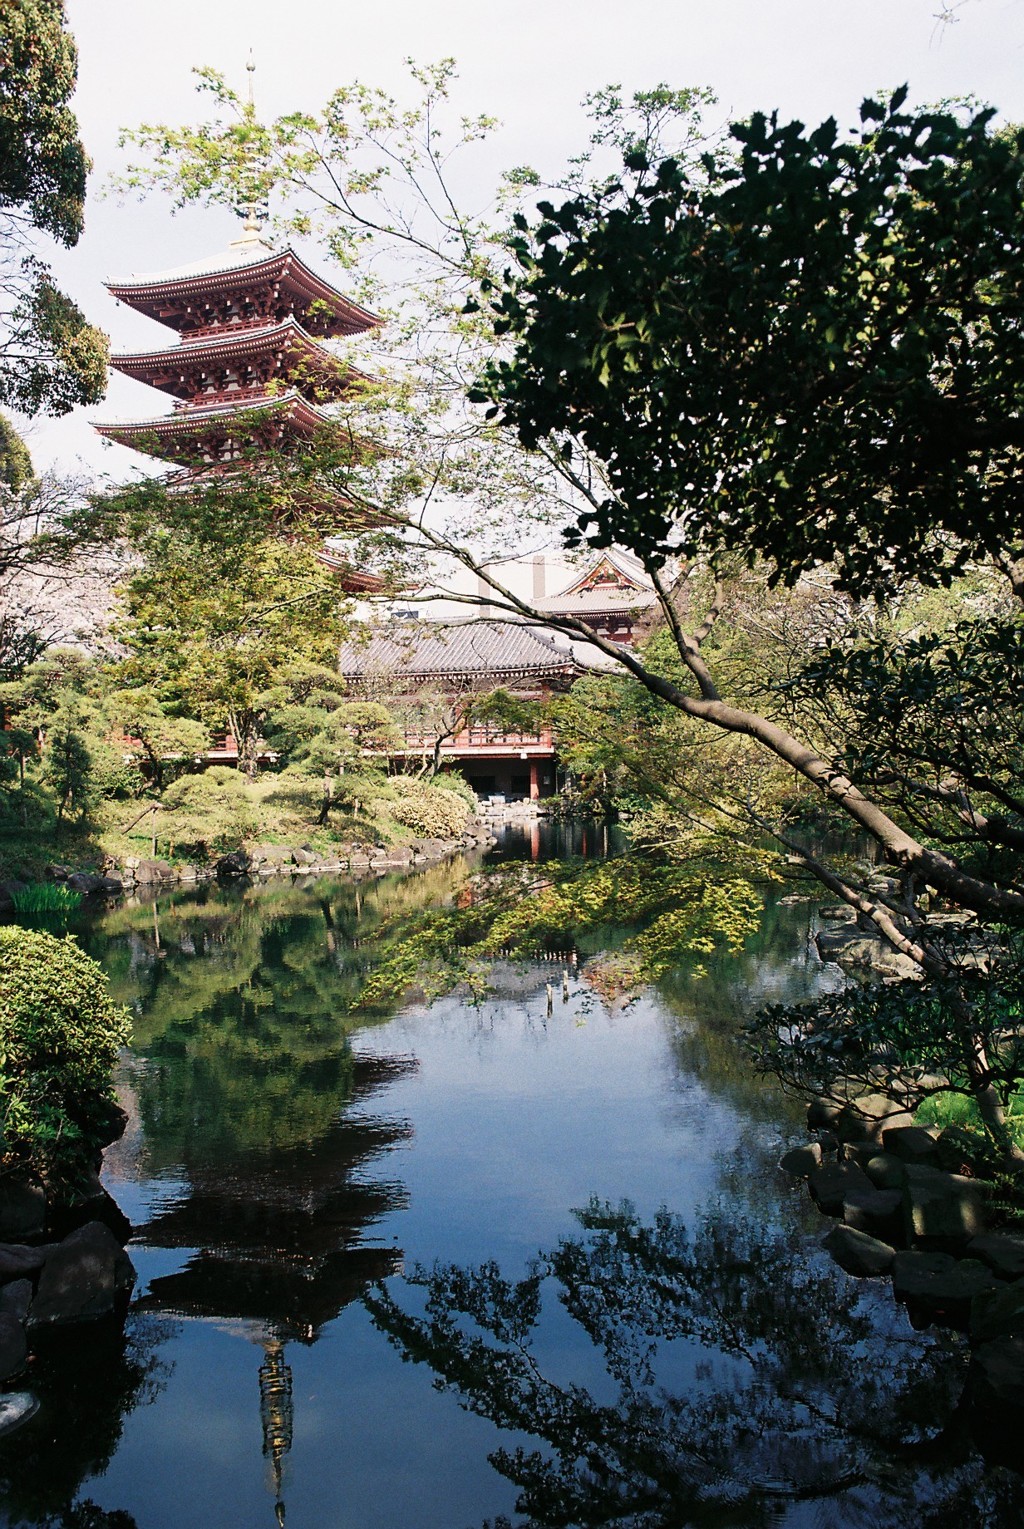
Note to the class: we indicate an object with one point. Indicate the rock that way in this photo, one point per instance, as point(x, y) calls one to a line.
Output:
point(822, 1114)
point(998, 1313)
point(13, 1347)
point(801, 1161)
point(237, 863)
point(94, 886)
point(1003, 1252)
point(151, 872)
point(858, 1253)
point(838, 913)
point(831, 1183)
point(995, 1397)
point(58, 872)
point(112, 1127)
point(885, 1171)
point(16, 1298)
point(939, 1288)
point(8, 891)
point(272, 855)
point(852, 948)
point(912, 1144)
point(17, 1260)
point(868, 1117)
point(303, 856)
point(941, 1210)
point(22, 1208)
point(878, 1212)
point(400, 856)
point(88, 1275)
point(997, 1372)
point(16, 1408)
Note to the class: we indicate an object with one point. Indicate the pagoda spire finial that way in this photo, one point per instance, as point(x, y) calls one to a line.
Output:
point(253, 211)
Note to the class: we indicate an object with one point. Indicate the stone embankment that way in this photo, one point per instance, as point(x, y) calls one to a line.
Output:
point(906, 1209)
point(356, 861)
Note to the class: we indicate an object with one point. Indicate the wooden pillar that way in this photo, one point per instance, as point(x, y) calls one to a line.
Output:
point(534, 781)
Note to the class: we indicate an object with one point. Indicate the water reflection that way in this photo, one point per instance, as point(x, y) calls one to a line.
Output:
point(539, 839)
point(739, 1383)
point(88, 1381)
point(260, 1127)
point(728, 1377)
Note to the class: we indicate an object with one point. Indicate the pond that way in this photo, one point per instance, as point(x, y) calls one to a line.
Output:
point(528, 1261)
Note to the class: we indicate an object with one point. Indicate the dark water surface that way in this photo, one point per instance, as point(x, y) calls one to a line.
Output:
point(320, 1196)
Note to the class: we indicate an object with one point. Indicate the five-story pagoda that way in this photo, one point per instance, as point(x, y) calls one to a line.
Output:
point(249, 371)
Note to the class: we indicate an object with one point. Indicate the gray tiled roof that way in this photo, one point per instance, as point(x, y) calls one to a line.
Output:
point(421, 650)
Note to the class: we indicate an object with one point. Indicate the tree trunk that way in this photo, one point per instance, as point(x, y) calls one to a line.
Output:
point(243, 725)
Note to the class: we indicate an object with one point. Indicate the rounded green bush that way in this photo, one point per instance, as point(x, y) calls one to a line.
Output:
point(60, 1033)
point(431, 810)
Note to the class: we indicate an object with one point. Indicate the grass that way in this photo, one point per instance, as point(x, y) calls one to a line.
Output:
point(943, 1110)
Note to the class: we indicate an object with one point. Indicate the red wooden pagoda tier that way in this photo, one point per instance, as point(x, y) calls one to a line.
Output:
point(204, 435)
point(248, 283)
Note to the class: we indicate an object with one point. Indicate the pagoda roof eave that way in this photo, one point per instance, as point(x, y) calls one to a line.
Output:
point(190, 421)
point(143, 291)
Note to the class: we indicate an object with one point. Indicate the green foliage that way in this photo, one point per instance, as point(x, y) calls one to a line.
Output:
point(42, 162)
point(68, 765)
point(872, 284)
point(931, 724)
point(50, 358)
point(59, 1038)
point(46, 897)
point(909, 1039)
point(15, 461)
point(210, 625)
point(167, 744)
point(677, 915)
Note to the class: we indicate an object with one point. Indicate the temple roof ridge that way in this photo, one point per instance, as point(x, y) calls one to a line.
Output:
point(239, 254)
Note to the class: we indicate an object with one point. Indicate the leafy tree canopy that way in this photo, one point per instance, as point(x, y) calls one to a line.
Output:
point(43, 164)
point(50, 358)
point(805, 349)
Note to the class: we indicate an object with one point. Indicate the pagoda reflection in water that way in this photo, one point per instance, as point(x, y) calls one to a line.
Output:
point(260, 1119)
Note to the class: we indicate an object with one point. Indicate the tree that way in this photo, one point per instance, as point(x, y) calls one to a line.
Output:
point(798, 351)
point(50, 358)
point(209, 626)
point(802, 351)
point(808, 355)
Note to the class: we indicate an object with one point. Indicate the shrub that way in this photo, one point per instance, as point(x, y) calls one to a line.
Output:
point(59, 1037)
point(208, 813)
point(431, 810)
point(452, 781)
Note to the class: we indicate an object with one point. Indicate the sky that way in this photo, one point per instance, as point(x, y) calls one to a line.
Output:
point(530, 64)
